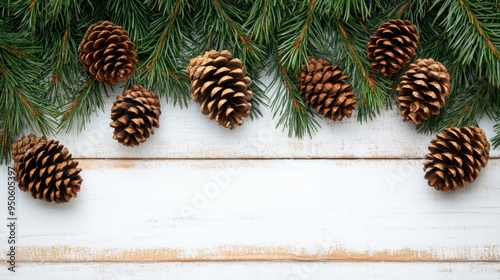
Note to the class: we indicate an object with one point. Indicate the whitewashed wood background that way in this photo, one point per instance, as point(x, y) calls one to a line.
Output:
point(197, 201)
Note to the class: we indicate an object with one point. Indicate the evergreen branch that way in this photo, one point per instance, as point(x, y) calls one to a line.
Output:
point(134, 20)
point(54, 26)
point(162, 70)
point(372, 91)
point(471, 29)
point(88, 100)
point(303, 33)
point(293, 113)
point(21, 98)
point(164, 35)
point(294, 35)
point(414, 11)
point(263, 20)
point(402, 9)
point(5, 142)
point(259, 95)
point(221, 12)
point(347, 9)
point(39, 63)
point(495, 141)
point(354, 55)
point(63, 69)
point(479, 27)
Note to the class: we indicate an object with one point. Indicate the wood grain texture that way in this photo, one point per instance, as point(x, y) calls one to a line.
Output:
point(186, 133)
point(228, 210)
point(258, 270)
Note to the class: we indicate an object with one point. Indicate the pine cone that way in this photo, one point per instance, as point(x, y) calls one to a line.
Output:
point(220, 85)
point(135, 112)
point(324, 88)
point(107, 53)
point(393, 46)
point(49, 172)
point(423, 90)
point(456, 157)
point(19, 148)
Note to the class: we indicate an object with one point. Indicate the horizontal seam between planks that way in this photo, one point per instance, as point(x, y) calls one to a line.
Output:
point(257, 158)
point(265, 261)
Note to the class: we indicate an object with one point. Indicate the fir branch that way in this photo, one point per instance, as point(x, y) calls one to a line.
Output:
point(471, 27)
point(295, 33)
point(350, 52)
point(413, 11)
point(5, 143)
point(288, 104)
point(495, 141)
point(54, 26)
point(88, 100)
point(21, 98)
point(134, 20)
point(163, 69)
point(347, 9)
point(263, 20)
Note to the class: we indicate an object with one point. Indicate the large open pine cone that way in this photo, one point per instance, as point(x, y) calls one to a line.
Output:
point(456, 156)
point(49, 172)
point(393, 46)
point(107, 53)
point(19, 148)
point(135, 112)
point(220, 85)
point(423, 90)
point(324, 88)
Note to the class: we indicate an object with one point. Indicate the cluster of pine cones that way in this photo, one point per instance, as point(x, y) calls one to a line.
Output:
point(457, 154)
point(221, 87)
point(424, 87)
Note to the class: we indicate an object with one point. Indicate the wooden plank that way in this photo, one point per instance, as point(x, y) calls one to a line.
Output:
point(186, 133)
point(172, 210)
point(258, 270)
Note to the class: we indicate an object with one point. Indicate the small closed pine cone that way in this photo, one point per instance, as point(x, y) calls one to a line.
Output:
point(107, 53)
point(135, 112)
point(393, 46)
point(220, 85)
point(456, 156)
point(49, 172)
point(423, 90)
point(19, 148)
point(324, 88)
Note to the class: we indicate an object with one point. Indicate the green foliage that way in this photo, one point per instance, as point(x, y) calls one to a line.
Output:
point(43, 87)
point(21, 95)
point(162, 50)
